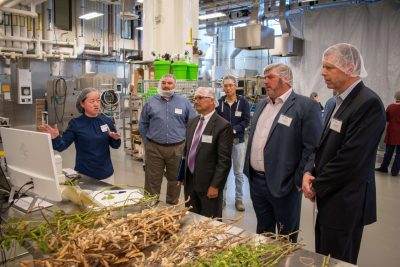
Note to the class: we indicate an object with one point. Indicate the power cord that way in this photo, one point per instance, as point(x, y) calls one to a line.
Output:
point(59, 97)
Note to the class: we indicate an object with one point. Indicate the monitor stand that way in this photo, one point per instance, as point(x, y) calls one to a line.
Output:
point(27, 204)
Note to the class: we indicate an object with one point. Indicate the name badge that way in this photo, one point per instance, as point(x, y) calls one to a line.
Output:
point(206, 139)
point(285, 120)
point(104, 128)
point(238, 114)
point(336, 125)
point(178, 111)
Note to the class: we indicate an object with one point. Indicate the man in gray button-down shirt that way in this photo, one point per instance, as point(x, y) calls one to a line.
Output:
point(163, 129)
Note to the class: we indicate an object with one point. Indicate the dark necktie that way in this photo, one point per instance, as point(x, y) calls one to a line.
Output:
point(195, 143)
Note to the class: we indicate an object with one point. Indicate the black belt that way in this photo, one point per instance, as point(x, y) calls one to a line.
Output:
point(171, 144)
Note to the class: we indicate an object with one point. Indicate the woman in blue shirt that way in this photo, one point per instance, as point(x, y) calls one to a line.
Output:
point(93, 134)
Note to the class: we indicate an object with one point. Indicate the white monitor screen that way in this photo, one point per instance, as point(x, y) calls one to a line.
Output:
point(30, 157)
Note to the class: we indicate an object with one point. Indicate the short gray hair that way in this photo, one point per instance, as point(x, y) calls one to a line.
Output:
point(82, 96)
point(206, 92)
point(230, 77)
point(283, 70)
point(168, 75)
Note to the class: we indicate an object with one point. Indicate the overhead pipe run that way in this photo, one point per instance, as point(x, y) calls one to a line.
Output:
point(233, 56)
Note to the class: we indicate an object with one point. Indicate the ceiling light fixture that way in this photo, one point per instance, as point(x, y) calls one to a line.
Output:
point(212, 16)
point(91, 15)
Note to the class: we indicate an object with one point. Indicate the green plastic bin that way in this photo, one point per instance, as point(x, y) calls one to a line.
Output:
point(192, 72)
point(179, 69)
point(161, 67)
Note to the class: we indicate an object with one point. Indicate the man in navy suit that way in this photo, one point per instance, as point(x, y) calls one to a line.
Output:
point(285, 131)
point(340, 174)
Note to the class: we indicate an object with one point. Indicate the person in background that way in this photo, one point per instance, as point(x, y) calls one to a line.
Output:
point(314, 96)
point(340, 175)
point(236, 110)
point(392, 137)
point(286, 129)
point(162, 126)
point(93, 134)
point(208, 152)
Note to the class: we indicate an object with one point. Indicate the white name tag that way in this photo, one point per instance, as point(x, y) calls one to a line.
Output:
point(206, 138)
point(285, 120)
point(238, 114)
point(178, 111)
point(104, 128)
point(336, 125)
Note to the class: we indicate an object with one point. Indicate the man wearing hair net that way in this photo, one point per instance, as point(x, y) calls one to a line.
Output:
point(285, 131)
point(93, 134)
point(163, 129)
point(208, 156)
point(340, 176)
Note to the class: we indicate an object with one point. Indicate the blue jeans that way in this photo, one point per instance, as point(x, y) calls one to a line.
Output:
point(388, 157)
point(237, 166)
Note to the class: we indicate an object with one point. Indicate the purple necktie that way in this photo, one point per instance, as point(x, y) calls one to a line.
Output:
point(195, 143)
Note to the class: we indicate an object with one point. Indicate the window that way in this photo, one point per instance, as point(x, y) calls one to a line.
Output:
point(127, 29)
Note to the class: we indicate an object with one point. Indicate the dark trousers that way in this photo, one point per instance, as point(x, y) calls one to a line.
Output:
point(201, 204)
point(282, 214)
point(388, 157)
point(340, 244)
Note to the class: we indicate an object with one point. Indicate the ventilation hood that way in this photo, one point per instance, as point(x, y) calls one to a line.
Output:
point(254, 36)
point(286, 45)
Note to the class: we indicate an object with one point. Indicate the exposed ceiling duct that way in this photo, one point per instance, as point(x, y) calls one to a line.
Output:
point(128, 10)
point(255, 36)
point(286, 45)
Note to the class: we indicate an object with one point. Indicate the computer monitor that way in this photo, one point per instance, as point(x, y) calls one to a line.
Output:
point(30, 157)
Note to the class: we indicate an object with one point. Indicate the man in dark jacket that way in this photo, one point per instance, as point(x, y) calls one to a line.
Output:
point(235, 109)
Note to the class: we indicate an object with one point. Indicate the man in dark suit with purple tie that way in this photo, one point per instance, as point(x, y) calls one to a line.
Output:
point(340, 176)
point(207, 152)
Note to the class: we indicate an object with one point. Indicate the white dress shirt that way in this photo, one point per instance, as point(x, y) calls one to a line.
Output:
point(263, 127)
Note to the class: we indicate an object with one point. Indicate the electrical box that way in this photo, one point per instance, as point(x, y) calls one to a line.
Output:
point(25, 95)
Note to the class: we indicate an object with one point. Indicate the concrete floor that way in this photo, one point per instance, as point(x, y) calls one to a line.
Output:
point(381, 241)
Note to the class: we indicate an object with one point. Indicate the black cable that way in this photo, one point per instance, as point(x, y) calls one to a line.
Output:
point(16, 196)
point(59, 99)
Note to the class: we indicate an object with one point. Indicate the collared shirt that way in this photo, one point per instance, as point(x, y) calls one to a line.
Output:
point(206, 120)
point(263, 128)
point(340, 98)
point(164, 121)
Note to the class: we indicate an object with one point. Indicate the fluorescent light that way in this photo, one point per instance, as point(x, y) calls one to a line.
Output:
point(139, 28)
point(212, 16)
point(141, 1)
point(91, 15)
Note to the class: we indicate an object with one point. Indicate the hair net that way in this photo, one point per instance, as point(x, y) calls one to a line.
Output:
point(347, 58)
point(231, 78)
point(206, 92)
point(283, 71)
point(397, 96)
point(82, 96)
